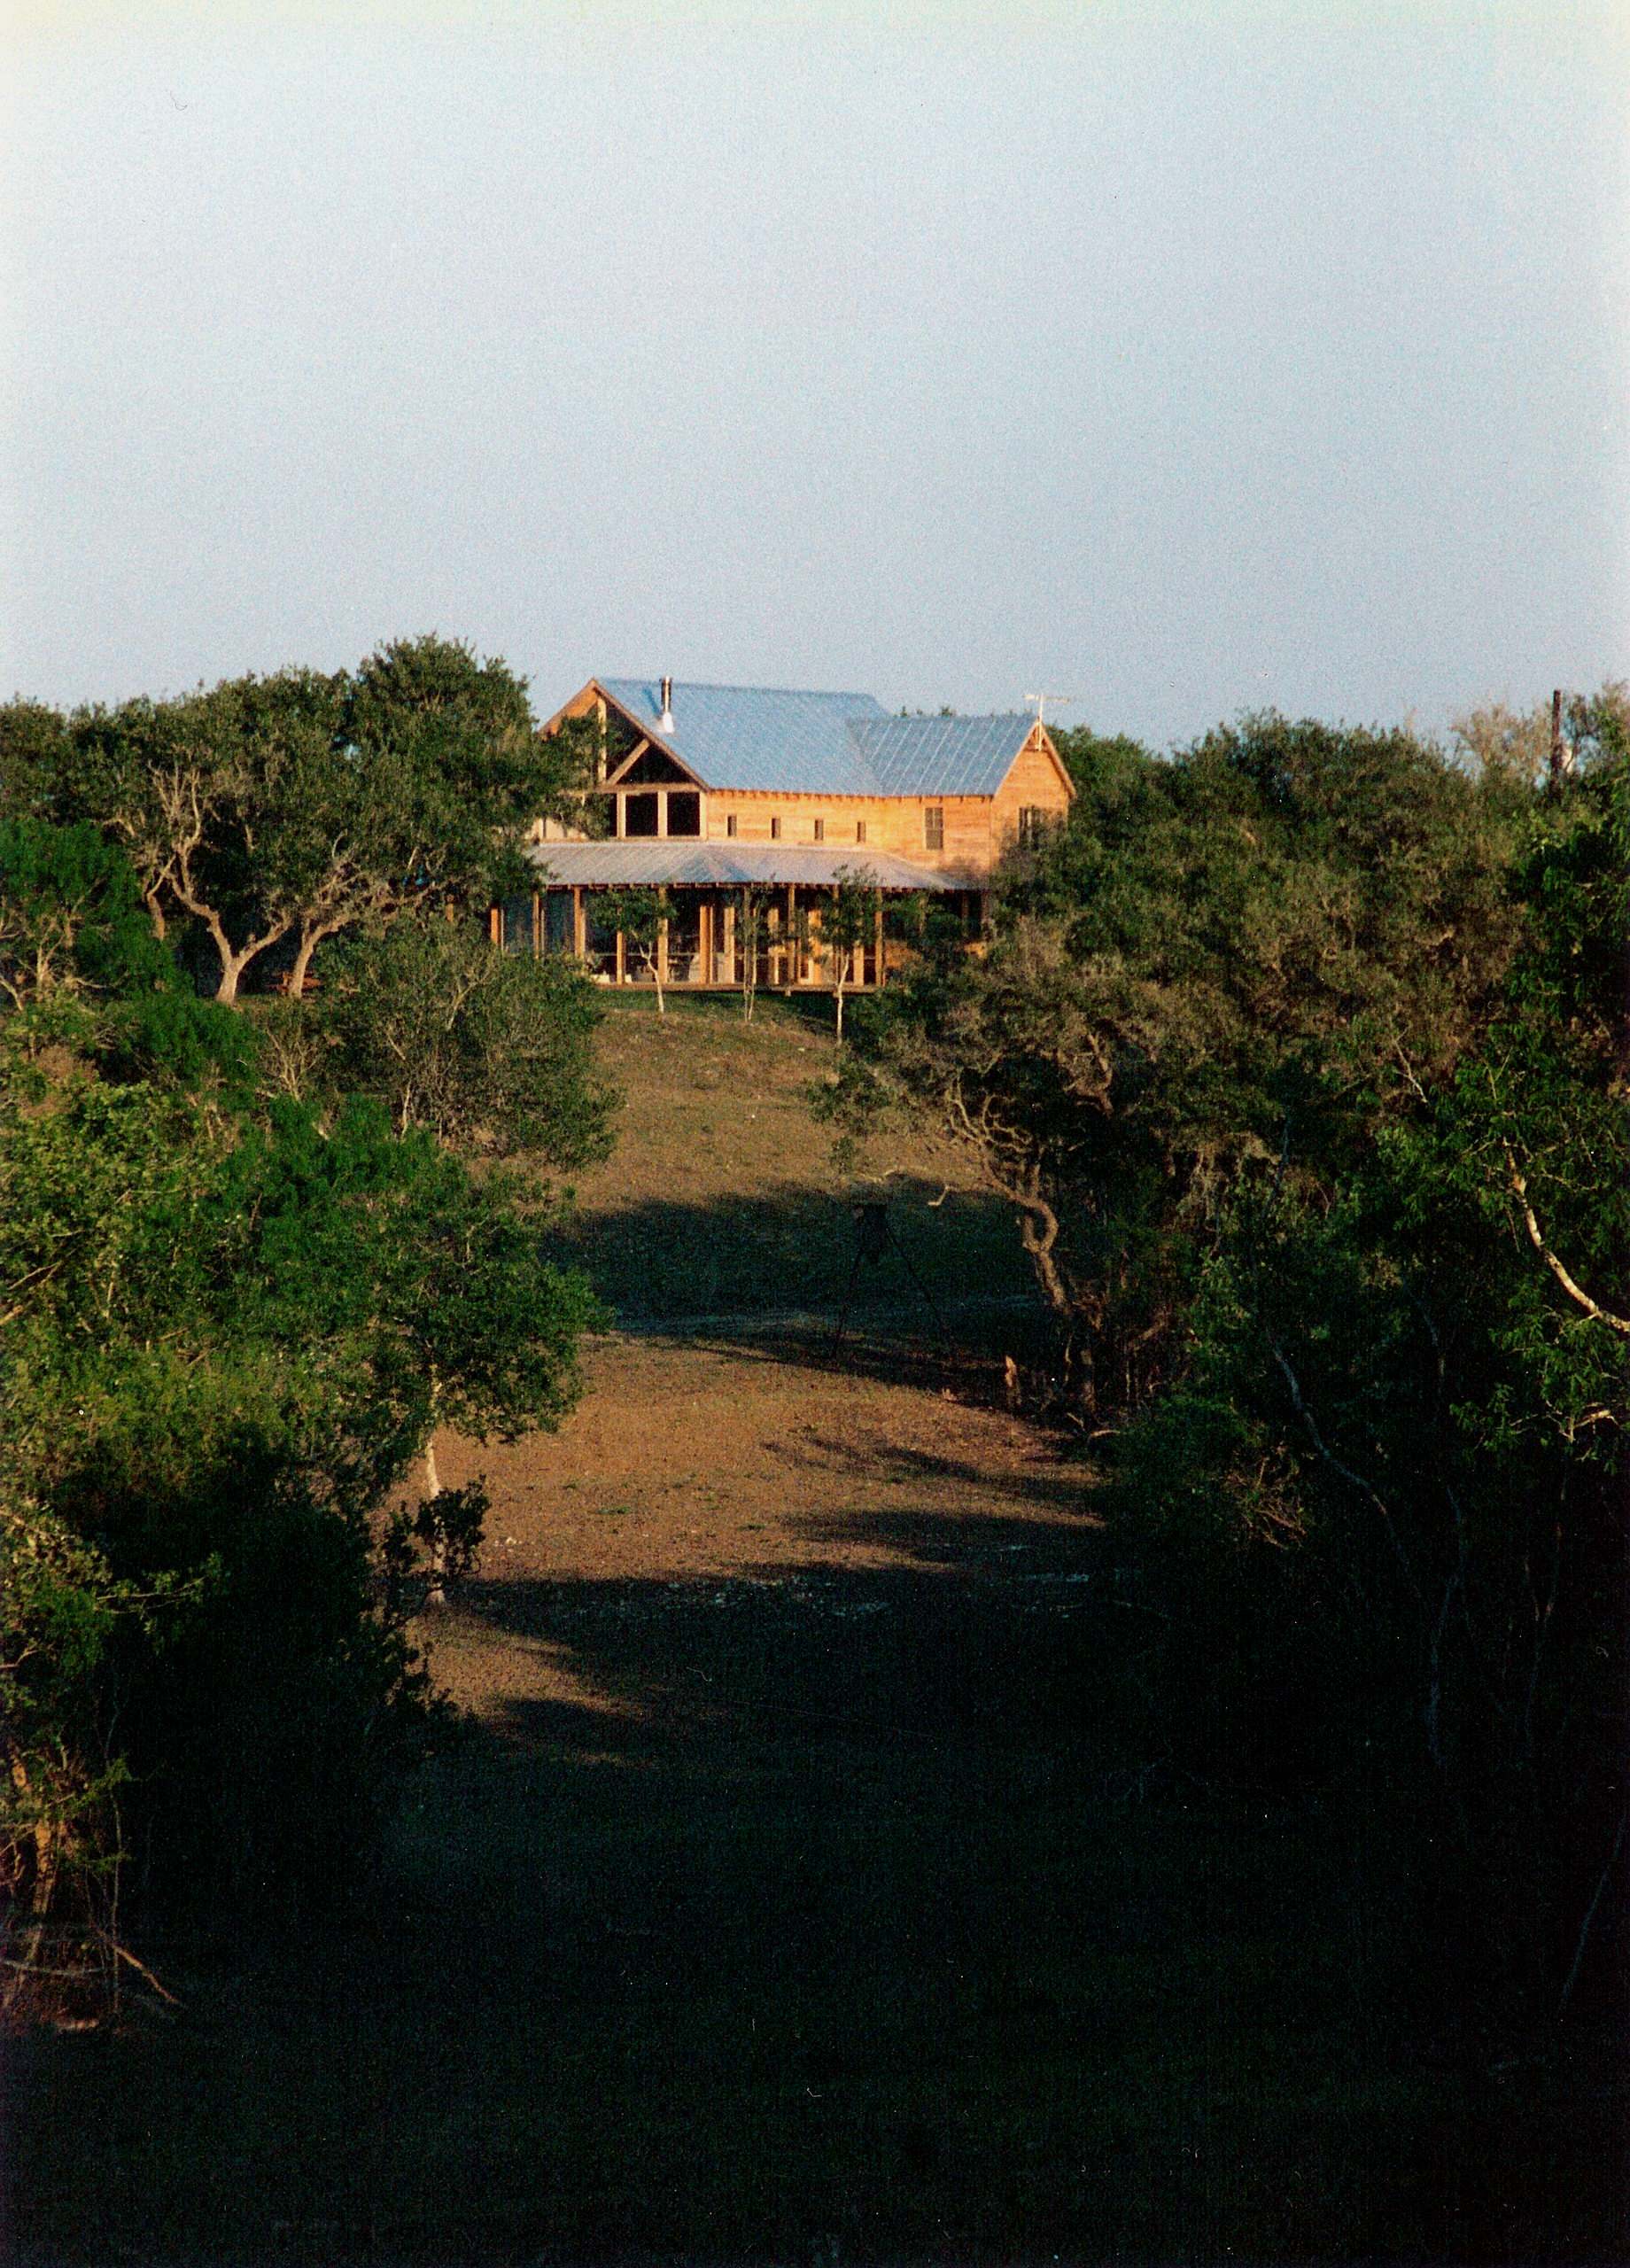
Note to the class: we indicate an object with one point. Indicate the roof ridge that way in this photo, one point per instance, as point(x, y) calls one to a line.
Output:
point(714, 685)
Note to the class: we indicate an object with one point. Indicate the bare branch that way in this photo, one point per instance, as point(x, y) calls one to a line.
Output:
point(1575, 1292)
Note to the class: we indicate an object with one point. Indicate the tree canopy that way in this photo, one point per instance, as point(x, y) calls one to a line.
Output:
point(230, 1318)
point(275, 811)
point(1304, 1061)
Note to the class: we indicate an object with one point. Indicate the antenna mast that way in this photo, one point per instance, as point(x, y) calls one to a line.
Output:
point(1041, 701)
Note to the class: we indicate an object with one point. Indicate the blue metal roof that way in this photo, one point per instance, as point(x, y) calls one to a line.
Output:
point(760, 738)
point(941, 755)
point(755, 737)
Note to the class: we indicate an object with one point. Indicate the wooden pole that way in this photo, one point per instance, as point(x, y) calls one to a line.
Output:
point(1558, 764)
point(537, 926)
point(578, 942)
point(877, 942)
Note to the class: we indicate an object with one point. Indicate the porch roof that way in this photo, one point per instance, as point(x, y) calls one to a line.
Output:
point(683, 863)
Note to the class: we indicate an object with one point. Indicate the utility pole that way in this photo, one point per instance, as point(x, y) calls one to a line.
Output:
point(1562, 762)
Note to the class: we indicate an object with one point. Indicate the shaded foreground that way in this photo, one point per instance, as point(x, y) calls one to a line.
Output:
point(800, 1895)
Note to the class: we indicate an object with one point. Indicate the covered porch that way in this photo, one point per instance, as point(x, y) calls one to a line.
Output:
point(730, 917)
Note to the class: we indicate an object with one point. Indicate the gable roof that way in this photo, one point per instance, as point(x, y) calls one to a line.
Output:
point(770, 741)
point(941, 755)
point(755, 736)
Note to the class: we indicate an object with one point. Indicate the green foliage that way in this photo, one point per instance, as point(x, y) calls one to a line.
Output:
point(227, 1330)
point(639, 915)
point(485, 1050)
point(1303, 1060)
point(295, 806)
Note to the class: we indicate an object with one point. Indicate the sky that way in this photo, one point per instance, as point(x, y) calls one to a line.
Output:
point(1182, 361)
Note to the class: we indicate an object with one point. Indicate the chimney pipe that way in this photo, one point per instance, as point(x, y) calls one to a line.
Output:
point(665, 722)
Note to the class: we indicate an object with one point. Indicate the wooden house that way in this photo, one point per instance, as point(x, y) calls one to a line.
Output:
point(749, 806)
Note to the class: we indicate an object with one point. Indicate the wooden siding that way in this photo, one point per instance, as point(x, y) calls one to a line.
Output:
point(892, 823)
point(1034, 783)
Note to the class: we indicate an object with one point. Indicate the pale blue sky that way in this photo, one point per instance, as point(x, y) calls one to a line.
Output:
point(1184, 360)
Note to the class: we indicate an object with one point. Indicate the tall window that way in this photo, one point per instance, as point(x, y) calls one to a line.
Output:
point(860, 830)
point(730, 824)
point(775, 828)
point(1032, 824)
point(934, 828)
point(821, 830)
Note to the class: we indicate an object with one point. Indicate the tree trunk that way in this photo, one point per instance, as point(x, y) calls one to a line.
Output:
point(310, 939)
point(436, 1595)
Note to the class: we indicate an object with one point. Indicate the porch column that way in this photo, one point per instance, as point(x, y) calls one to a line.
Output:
point(877, 942)
point(790, 965)
point(537, 926)
point(706, 941)
point(662, 817)
point(578, 940)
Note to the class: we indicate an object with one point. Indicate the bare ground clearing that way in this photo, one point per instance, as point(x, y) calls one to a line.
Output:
point(758, 1463)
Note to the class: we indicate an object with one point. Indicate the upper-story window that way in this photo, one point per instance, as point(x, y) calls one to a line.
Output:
point(775, 828)
point(820, 831)
point(1032, 824)
point(730, 824)
point(860, 830)
point(933, 827)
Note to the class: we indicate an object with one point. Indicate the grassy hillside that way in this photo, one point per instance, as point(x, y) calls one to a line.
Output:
point(722, 1196)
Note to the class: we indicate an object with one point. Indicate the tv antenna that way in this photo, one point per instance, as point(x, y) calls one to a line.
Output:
point(1041, 701)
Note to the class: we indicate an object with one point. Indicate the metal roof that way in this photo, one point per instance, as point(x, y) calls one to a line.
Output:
point(941, 755)
point(758, 739)
point(684, 863)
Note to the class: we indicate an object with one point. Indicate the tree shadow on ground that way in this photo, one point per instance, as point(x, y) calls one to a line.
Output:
point(792, 1249)
point(822, 1914)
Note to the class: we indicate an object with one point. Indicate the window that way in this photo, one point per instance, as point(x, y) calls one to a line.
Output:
point(820, 831)
point(860, 830)
point(730, 825)
point(934, 828)
point(775, 828)
point(1032, 824)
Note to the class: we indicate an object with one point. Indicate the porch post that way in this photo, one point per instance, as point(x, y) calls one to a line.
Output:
point(578, 942)
point(790, 965)
point(537, 926)
point(877, 942)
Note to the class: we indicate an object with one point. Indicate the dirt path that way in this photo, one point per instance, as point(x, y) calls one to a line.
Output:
point(757, 1462)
